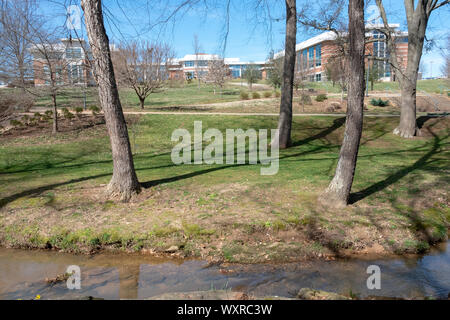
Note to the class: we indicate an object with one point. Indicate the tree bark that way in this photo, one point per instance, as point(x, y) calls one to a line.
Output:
point(124, 182)
point(417, 16)
point(407, 127)
point(55, 115)
point(285, 120)
point(338, 192)
point(141, 103)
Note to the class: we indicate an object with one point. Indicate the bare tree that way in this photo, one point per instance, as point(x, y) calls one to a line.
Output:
point(49, 68)
point(17, 19)
point(337, 71)
point(285, 121)
point(142, 66)
point(446, 56)
point(252, 74)
point(124, 182)
point(338, 192)
point(300, 79)
point(417, 16)
point(197, 50)
point(218, 73)
point(275, 71)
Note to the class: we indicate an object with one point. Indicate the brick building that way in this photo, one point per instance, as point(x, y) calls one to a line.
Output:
point(67, 60)
point(314, 53)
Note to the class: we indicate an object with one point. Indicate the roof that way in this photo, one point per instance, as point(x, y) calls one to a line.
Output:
point(326, 36)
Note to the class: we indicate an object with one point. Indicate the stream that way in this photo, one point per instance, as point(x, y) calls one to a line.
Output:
point(120, 276)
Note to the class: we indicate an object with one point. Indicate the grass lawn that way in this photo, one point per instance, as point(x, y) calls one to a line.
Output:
point(51, 193)
point(429, 86)
point(188, 94)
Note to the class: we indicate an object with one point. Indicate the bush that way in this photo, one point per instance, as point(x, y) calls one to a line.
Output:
point(277, 94)
point(244, 95)
point(321, 97)
point(256, 95)
point(379, 102)
point(67, 114)
point(94, 109)
point(78, 110)
point(306, 99)
point(267, 94)
point(16, 123)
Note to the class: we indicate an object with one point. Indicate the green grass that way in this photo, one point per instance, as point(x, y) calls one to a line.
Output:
point(429, 86)
point(48, 187)
point(189, 94)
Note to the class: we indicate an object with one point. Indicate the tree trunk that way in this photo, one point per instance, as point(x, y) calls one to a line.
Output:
point(285, 120)
point(124, 182)
point(338, 192)
point(55, 115)
point(141, 103)
point(407, 127)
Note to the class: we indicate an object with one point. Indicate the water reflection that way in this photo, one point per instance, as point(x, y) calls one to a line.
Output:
point(22, 275)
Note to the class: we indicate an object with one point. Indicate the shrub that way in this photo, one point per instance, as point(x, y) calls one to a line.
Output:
point(277, 94)
point(16, 123)
point(321, 97)
point(379, 102)
point(267, 94)
point(94, 109)
point(306, 99)
point(244, 95)
point(67, 113)
point(26, 119)
point(78, 110)
point(256, 95)
point(49, 113)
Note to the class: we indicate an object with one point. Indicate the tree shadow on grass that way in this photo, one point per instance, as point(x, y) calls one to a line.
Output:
point(419, 164)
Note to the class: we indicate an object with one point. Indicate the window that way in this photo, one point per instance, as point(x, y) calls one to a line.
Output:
point(318, 77)
point(188, 64)
point(318, 55)
point(380, 51)
point(73, 53)
point(311, 78)
point(75, 73)
point(305, 59)
point(202, 63)
point(311, 57)
point(47, 74)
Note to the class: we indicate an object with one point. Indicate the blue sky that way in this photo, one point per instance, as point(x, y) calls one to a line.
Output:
point(247, 39)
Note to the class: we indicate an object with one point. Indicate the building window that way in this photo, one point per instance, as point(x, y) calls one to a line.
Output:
point(318, 77)
point(47, 74)
point(188, 64)
point(311, 78)
point(380, 51)
point(318, 55)
point(202, 63)
point(73, 53)
point(305, 59)
point(311, 57)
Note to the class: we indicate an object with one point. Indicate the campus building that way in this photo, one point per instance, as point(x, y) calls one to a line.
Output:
point(67, 60)
point(196, 65)
point(314, 54)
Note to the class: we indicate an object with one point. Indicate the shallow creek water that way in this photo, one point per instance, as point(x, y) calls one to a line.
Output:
point(114, 276)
